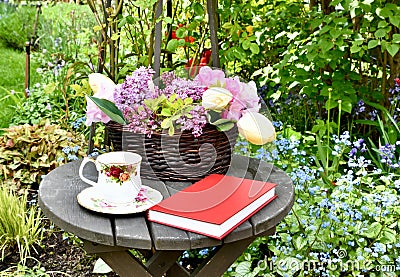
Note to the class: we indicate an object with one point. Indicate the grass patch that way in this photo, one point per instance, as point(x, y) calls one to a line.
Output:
point(12, 68)
point(12, 78)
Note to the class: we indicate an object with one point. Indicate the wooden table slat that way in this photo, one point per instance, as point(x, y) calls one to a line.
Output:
point(166, 237)
point(275, 211)
point(60, 205)
point(111, 235)
point(133, 230)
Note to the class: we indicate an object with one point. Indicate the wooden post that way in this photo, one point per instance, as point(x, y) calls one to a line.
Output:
point(27, 67)
point(158, 38)
point(213, 22)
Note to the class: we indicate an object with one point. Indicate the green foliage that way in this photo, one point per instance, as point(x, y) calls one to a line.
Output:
point(345, 227)
point(16, 27)
point(36, 108)
point(168, 110)
point(66, 29)
point(23, 270)
point(55, 102)
point(20, 227)
point(10, 100)
point(343, 55)
point(29, 152)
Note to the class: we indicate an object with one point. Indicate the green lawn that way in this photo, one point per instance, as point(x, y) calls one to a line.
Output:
point(12, 78)
point(12, 68)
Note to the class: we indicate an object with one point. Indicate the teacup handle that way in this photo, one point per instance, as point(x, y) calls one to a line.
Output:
point(84, 162)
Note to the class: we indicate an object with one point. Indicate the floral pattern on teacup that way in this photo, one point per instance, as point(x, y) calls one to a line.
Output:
point(118, 173)
point(140, 200)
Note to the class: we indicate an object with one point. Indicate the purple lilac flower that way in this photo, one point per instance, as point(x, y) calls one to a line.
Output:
point(141, 120)
point(183, 88)
point(194, 121)
point(135, 88)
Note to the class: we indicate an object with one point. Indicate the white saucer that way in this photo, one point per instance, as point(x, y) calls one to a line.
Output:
point(90, 199)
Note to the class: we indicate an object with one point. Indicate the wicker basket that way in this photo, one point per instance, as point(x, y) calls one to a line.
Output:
point(180, 157)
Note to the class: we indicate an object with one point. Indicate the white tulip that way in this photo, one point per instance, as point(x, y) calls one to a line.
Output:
point(256, 128)
point(216, 98)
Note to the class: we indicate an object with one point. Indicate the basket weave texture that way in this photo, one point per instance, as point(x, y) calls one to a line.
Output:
point(180, 157)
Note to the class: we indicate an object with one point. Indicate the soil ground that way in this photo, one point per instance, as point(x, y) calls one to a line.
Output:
point(59, 254)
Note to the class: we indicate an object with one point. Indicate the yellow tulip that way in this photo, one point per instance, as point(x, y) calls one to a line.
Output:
point(256, 128)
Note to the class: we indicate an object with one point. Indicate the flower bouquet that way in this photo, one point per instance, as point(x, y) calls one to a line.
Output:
point(184, 128)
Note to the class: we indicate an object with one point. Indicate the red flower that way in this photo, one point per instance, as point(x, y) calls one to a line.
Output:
point(204, 60)
point(189, 39)
point(115, 171)
point(397, 80)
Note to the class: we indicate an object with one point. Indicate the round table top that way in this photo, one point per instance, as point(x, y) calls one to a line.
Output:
point(58, 200)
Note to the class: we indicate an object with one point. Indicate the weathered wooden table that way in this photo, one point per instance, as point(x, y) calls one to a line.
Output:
point(110, 236)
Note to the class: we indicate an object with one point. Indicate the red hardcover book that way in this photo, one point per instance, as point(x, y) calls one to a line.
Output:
point(213, 206)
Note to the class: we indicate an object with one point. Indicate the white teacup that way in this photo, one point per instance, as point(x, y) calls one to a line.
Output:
point(119, 176)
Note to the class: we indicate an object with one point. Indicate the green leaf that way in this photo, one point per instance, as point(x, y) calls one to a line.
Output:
point(326, 45)
point(97, 28)
point(367, 122)
point(254, 48)
point(171, 130)
point(246, 44)
point(393, 49)
point(373, 43)
point(299, 243)
point(198, 9)
point(355, 48)
point(225, 126)
point(166, 123)
point(382, 24)
point(347, 106)
point(396, 38)
point(335, 33)
point(395, 20)
point(244, 268)
point(109, 109)
point(330, 104)
point(380, 33)
point(227, 25)
point(115, 36)
point(172, 45)
point(181, 32)
point(373, 230)
point(188, 101)
point(168, 20)
point(166, 112)
point(385, 13)
point(388, 236)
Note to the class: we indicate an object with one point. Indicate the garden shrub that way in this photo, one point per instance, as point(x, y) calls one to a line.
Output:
point(16, 28)
point(20, 226)
point(27, 152)
point(66, 30)
point(344, 221)
point(54, 102)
